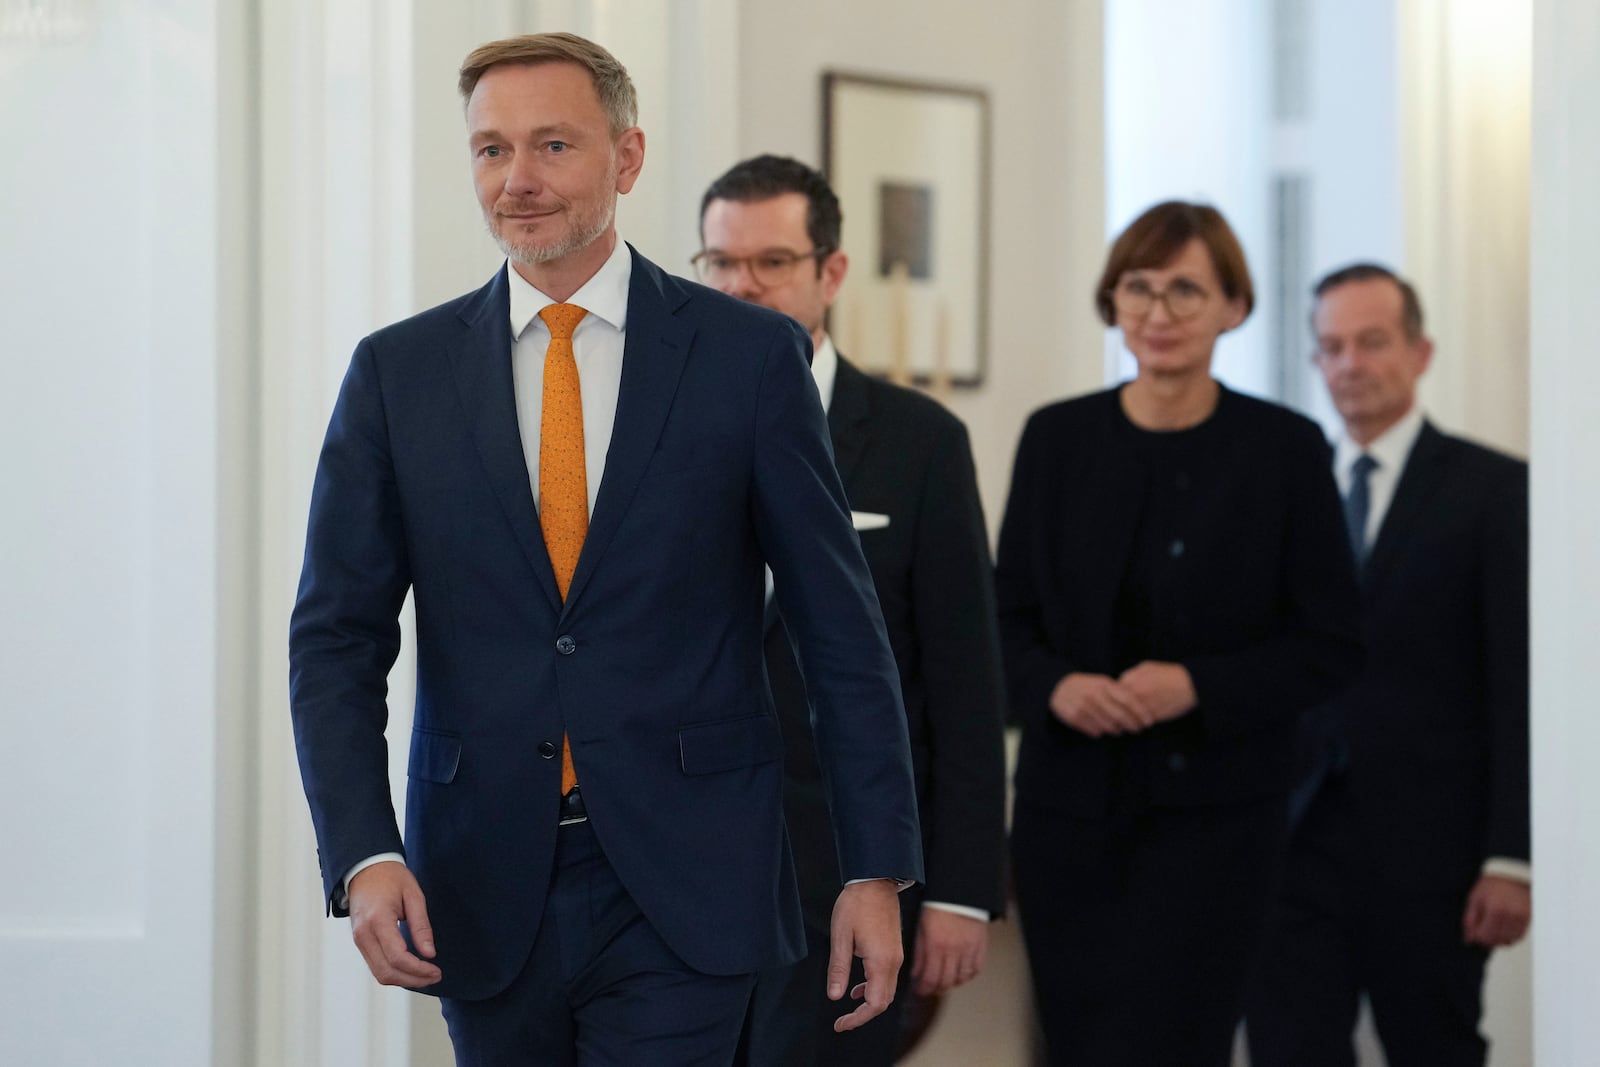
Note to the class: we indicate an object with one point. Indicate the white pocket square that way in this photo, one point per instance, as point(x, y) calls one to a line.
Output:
point(868, 520)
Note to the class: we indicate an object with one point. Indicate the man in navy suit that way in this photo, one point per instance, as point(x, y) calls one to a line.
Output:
point(770, 228)
point(580, 472)
point(1409, 859)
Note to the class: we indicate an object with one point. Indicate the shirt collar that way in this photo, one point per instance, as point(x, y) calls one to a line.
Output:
point(825, 368)
point(1389, 448)
point(604, 295)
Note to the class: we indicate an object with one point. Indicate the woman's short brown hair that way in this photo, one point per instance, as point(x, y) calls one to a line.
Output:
point(611, 81)
point(1154, 238)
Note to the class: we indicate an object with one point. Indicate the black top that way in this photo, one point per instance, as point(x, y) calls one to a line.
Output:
point(1155, 558)
point(1220, 547)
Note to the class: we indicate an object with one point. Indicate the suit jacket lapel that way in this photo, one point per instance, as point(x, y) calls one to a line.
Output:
point(653, 355)
point(1418, 482)
point(847, 418)
point(481, 359)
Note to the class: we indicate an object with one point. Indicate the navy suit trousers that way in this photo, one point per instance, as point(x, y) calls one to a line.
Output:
point(600, 988)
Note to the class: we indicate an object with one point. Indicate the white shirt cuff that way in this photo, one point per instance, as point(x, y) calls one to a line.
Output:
point(382, 857)
point(958, 909)
point(1516, 870)
point(900, 884)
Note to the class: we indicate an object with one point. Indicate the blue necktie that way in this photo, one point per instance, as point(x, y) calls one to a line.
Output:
point(1358, 504)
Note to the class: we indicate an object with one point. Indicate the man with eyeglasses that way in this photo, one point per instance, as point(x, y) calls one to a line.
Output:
point(1409, 858)
point(770, 230)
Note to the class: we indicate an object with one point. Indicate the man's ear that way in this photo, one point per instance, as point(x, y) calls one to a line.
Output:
point(1423, 347)
point(835, 265)
point(630, 158)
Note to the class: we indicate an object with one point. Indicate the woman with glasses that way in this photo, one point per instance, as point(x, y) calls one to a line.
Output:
point(1175, 588)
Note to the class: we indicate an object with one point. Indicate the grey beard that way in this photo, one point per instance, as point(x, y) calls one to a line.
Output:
point(536, 255)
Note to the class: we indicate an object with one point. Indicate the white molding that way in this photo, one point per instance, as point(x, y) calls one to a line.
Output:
point(335, 241)
point(1565, 275)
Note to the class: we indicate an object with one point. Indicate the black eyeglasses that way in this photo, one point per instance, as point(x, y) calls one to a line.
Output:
point(1135, 297)
point(769, 269)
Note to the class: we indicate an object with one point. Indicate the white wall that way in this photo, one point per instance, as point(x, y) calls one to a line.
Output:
point(1566, 529)
point(1194, 123)
point(1466, 106)
point(1039, 60)
point(108, 548)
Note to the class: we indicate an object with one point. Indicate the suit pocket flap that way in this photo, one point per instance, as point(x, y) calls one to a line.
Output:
point(709, 747)
point(434, 756)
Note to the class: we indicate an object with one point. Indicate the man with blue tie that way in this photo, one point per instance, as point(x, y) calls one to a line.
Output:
point(1409, 860)
point(580, 472)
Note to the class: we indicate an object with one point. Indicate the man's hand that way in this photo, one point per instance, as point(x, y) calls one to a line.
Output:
point(1498, 912)
point(1163, 690)
point(950, 950)
point(380, 897)
point(866, 923)
point(1097, 705)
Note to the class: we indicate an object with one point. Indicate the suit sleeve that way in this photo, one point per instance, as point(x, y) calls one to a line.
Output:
point(830, 607)
point(1504, 566)
point(1032, 666)
point(1315, 648)
point(344, 634)
point(954, 608)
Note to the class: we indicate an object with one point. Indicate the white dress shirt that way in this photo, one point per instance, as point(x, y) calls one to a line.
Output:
point(597, 347)
point(1392, 449)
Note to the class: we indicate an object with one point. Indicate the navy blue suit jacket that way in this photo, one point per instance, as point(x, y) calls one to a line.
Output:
point(719, 462)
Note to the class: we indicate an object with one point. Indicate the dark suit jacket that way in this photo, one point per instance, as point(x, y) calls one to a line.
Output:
point(1259, 602)
point(902, 455)
point(718, 463)
point(1436, 727)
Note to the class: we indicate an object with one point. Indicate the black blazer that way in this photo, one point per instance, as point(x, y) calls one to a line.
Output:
point(904, 456)
point(1436, 727)
point(1261, 603)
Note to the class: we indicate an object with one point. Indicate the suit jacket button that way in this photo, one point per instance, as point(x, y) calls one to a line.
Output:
point(547, 749)
point(1176, 548)
point(566, 645)
point(1177, 762)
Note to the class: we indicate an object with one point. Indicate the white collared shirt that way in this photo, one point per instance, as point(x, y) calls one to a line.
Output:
point(596, 345)
point(824, 369)
point(1391, 449)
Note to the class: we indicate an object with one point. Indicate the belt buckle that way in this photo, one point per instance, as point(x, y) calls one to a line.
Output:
point(574, 801)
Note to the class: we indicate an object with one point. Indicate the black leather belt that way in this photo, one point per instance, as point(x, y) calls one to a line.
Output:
point(572, 810)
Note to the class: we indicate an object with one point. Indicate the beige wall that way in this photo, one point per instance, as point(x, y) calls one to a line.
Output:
point(1040, 61)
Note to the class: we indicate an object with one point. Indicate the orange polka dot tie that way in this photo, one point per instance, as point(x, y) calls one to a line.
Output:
point(563, 479)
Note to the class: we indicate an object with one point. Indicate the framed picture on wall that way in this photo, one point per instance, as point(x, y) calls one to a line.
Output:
point(910, 162)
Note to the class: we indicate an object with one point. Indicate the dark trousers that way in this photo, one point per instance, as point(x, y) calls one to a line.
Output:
point(791, 1018)
point(1141, 929)
point(1340, 929)
point(600, 987)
